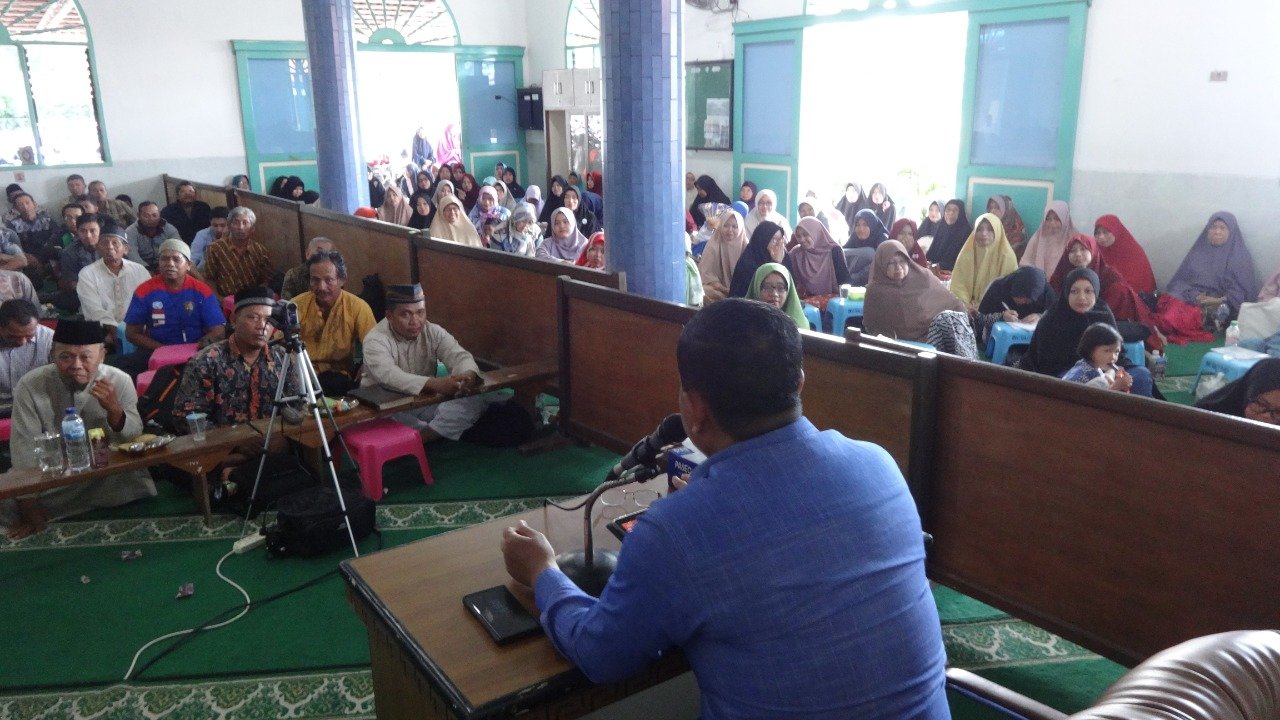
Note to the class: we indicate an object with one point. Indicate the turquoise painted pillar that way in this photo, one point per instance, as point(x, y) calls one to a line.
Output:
point(644, 143)
point(332, 50)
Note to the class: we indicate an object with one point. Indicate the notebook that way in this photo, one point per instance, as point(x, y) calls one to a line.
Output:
point(380, 398)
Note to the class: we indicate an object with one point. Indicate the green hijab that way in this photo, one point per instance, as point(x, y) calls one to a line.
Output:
point(792, 306)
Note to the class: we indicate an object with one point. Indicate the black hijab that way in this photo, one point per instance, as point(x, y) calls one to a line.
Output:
point(949, 239)
point(421, 222)
point(552, 202)
point(878, 232)
point(1025, 282)
point(1231, 399)
point(1053, 346)
point(714, 194)
point(886, 215)
point(929, 227)
point(755, 255)
point(755, 190)
point(850, 208)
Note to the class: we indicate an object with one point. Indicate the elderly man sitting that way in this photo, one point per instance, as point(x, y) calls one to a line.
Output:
point(238, 261)
point(297, 280)
point(106, 285)
point(333, 321)
point(104, 397)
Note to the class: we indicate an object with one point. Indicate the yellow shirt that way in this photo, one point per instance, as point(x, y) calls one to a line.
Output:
point(331, 340)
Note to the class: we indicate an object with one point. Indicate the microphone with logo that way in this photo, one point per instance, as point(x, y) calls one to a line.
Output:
point(590, 568)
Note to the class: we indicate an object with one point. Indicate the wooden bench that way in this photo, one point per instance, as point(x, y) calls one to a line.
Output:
point(215, 195)
point(367, 246)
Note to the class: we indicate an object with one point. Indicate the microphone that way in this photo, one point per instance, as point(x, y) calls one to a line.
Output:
point(645, 452)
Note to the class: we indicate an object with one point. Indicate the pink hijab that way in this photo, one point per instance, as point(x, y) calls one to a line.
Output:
point(812, 267)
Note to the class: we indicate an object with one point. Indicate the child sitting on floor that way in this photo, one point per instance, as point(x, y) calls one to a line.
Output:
point(1099, 351)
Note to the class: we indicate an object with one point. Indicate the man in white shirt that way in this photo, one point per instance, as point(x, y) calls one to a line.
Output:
point(106, 286)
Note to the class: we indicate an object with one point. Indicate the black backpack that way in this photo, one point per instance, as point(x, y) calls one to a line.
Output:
point(156, 404)
point(309, 522)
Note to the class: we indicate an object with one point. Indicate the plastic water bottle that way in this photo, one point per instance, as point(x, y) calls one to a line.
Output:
point(1233, 333)
point(76, 441)
point(1161, 365)
point(1220, 317)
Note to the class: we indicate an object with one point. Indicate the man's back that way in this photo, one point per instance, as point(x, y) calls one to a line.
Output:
point(790, 572)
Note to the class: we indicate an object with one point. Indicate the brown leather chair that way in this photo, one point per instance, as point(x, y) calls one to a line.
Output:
point(1228, 676)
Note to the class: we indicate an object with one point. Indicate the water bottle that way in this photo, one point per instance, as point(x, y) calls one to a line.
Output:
point(1161, 365)
point(76, 441)
point(1220, 317)
point(1233, 333)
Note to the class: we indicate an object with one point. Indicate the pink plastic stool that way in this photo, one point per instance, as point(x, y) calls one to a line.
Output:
point(374, 443)
point(171, 355)
point(6, 427)
point(144, 381)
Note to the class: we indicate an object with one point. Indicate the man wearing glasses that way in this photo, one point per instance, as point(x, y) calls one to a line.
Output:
point(103, 396)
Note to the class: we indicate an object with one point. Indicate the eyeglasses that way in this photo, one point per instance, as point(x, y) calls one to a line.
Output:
point(773, 288)
point(1265, 409)
point(639, 497)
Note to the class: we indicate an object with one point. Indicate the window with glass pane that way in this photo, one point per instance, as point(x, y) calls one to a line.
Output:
point(15, 113)
point(582, 34)
point(280, 92)
point(1017, 106)
point(62, 90)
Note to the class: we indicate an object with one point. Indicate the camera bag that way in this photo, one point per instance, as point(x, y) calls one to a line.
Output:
point(310, 522)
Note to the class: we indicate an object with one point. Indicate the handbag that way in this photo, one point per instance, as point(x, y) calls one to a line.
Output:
point(310, 522)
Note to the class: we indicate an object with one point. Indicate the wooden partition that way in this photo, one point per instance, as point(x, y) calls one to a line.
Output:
point(618, 379)
point(215, 195)
point(501, 307)
point(368, 246)
point(279, 226)
point(1124, 524)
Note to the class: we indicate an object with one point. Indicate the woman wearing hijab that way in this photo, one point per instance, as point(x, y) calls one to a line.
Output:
point(905, 231)
point(592, 256)
point(817, 263)
point(533, 196)
point(882, 204)
point(1021, 296)
point(565, 243)
point(720, 256)
point(588, 223)
point(451, 223)
point(522, 235)
point(986, 255)
point(1255, 395)
point(1123, 253)
point(766, 210)
point(950, 236)
point(555, 199)
point(443, 189)
point(865, 235)
point(851, 202)
point(772, 285)
point(706, 191)
point(423, 210)
point(1014, 229)
point(747, 193)
point(1054, 345)
point(768, 244)
point(469, 190)
point(240, 182)
point(505, 198)
point(830, 218)
point(509, 178)
point(575, 181)
point(932, 220)
point(903, 298)
point(1050, 241)
point(394, 208)
point(1217, 269)
point(593, 198)
point(487, 208)
point(1126, 306)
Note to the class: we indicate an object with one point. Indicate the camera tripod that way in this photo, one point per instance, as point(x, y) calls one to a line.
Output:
point(296, 358)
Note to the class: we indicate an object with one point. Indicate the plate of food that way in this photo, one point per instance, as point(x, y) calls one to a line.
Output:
point(145, 443)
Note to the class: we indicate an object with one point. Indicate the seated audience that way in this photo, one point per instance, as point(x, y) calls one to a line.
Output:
point(831, 219)
point(443, 189)
point(333, 322)
point(240, 182)
point(986, 255)
point(883, 206)
point(904, 299)
point(592, 255)
point(904, 231)
point(588, 223)
point(773, 285)
point(297, 279)
point(720, 256)
point(1049, 242)
point(533, 196)
point(172, 308)
point(565, 242)
point(106, 285)
point(424, 212)
point(513, 187)
point(25, 344)
point(860, 251)
point(932, 221)
point(851, 202)
point(554, 200)
point(1057, 335)
point(1255, 395)
point(216, 231)
point(949, 237)
point(147, 233)
point(12, 256)
point(766, 210)
point(1124, 254)
point(401, 353)
point(1099, 351)
point(1015, 230)
point(468, 190)
point(394, 208)
point(1126, 306)
point(817, 262)
point(103, 396)
point(705, 190)
point(76, 188)
point(487, 207)
point(14, 284)
point(11, 193)
point(767, 244)
point(118, 210)
point(36, 233)
point(66, 238)
point(522, 235)
point(791, 572)
point(1217, 269)
point(747, 193)
point(1021, 296)
point(187, 214)
point(238, 262)
point(593, 195)
point(451, 222)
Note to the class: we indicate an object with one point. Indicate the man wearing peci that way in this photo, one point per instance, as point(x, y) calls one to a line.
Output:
point(790, 569)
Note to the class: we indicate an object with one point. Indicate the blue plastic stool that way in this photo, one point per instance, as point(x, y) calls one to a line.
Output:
point(841, 309)
point(1136, 352)
point(1232, 362)
point(1003, 337)
point(814, 316)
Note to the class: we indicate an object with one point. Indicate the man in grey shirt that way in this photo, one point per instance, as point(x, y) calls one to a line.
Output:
point(24, 346)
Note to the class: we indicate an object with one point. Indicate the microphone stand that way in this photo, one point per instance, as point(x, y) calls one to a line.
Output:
point(590, 568)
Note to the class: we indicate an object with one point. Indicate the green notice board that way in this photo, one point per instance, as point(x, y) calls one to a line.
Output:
point(708, 105)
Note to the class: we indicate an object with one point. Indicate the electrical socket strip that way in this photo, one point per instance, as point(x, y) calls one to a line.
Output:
point(249, 542)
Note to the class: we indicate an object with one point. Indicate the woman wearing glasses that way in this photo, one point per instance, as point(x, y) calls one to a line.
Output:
point(1256, 395)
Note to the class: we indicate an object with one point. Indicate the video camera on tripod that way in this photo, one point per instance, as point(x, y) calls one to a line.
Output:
point(284, 317)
